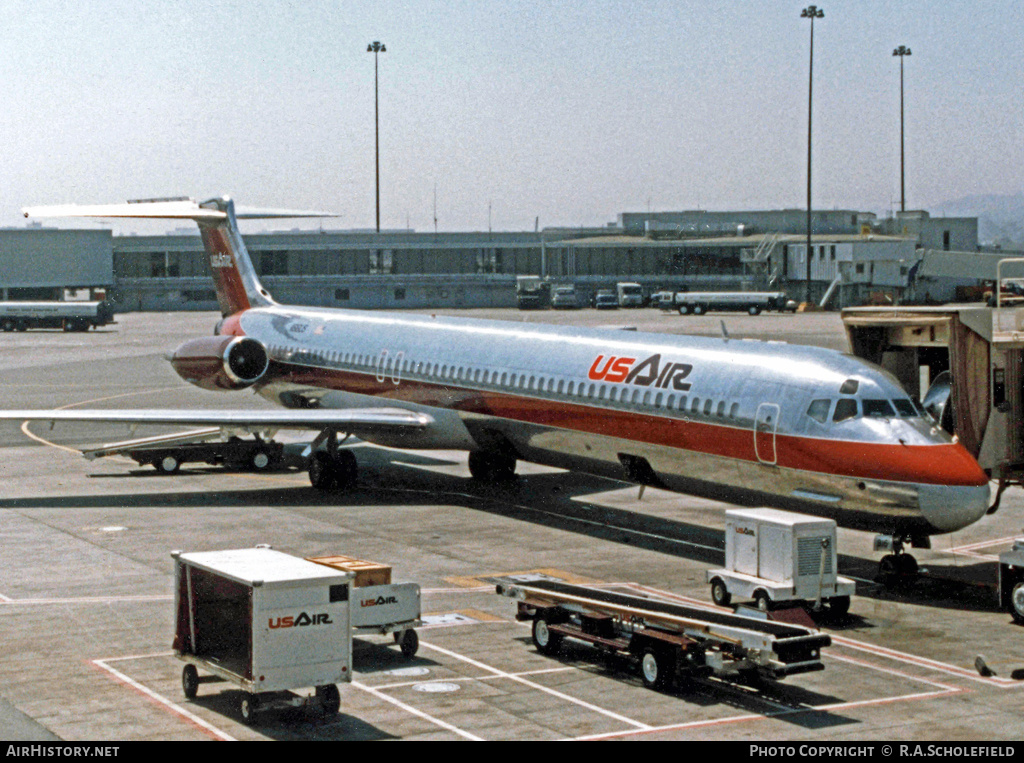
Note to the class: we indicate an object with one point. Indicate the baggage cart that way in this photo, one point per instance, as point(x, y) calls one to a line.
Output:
point(668, 641)
point(380, 606)
point(265, 621)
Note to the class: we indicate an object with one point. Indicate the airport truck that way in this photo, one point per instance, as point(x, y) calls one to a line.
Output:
point(69, 316)
point(667, 641)
point(751, 302)
point(532, 293)
point(774, 556)
point(629, 295)
point(1011, 580)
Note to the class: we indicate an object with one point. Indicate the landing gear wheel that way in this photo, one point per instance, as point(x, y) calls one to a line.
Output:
point(545, 641)
point(1017, 602)
point(719, 593)
point(168, 464)
point(332, 473)
point(248, 706)
point(491, 467)
point(654, 669)
point(329, 698)
point(190, 681)
point(762, 601)
point(895, 568)
point(410, 644)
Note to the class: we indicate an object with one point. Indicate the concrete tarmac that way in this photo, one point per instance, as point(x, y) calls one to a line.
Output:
point(86, 592)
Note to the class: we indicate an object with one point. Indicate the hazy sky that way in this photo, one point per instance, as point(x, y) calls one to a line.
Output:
point(569, 112)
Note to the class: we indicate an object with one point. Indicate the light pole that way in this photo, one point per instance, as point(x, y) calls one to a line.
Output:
point(375, 48)
point(811, 12)
point(902, 51)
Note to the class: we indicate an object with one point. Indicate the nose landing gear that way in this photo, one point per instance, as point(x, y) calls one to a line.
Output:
point(897, 566)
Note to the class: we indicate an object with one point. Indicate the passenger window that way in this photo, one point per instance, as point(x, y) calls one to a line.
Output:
point(819, 409)
point(707, 406)
point(647, 397)
point(720, 411)
point(613, 394)
point(695, 406)
point(845, 409)
point(734, 410)
point(878, 409)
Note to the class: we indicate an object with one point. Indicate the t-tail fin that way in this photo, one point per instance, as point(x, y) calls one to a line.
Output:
point(238, 286)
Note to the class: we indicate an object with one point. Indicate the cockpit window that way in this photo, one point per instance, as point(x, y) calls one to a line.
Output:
point(878, 408)
point(818, 410)
point(849, 387)
point(845, 409)
point(905, 408)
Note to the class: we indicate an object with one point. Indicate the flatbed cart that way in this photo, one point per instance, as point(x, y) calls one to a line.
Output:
point(265, 621)
point(670, 642)
point(380, 606)
point(167, 453)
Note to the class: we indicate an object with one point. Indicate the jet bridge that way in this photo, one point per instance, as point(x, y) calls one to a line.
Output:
point(964, 364)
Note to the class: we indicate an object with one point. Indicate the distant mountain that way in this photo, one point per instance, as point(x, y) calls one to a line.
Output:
point(1000, 218)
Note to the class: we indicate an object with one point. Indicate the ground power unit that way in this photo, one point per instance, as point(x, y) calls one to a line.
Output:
point(774, 556)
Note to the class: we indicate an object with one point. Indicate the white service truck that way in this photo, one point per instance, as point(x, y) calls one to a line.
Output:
point(774, 556)
point(629, 295)
point(750, 302)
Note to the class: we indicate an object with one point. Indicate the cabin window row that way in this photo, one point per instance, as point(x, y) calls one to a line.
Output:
point(632, 396)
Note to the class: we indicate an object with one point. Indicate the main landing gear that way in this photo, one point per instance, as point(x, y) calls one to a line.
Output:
point(897, 566)
point(331, 469)
point(487, 466)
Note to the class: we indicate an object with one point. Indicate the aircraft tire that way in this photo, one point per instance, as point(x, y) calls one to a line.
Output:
point(491, 467)
point(321, 475)
point(345, 469)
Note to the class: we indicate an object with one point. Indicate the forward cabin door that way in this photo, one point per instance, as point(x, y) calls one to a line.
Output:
point(766, 424)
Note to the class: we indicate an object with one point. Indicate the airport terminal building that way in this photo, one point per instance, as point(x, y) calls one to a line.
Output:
point(854, 258)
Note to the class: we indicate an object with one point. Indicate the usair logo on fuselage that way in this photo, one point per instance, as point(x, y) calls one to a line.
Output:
point(647, 373)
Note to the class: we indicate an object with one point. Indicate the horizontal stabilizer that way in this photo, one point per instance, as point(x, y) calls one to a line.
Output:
point(174, 209)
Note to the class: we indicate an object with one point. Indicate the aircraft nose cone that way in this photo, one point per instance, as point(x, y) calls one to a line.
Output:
point(952, 507)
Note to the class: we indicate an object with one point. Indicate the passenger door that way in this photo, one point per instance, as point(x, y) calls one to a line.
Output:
point(766, 424)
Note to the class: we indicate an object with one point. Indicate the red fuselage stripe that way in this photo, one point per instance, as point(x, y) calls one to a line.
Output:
point(942, 464)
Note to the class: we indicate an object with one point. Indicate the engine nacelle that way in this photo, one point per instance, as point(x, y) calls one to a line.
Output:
point(221, 362)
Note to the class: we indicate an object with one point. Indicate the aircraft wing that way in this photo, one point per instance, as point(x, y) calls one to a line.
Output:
point(357, 421)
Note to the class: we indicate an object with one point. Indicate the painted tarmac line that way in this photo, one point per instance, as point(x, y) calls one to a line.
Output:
point(418, 713)
point(765, 717)
point(162, 700)
point(85, 600)
point(406, 684)
point(560, 695)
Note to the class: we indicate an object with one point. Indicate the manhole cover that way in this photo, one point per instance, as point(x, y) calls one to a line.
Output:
point(436, 687)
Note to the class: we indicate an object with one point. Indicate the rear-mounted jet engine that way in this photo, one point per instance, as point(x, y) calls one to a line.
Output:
point(221, 362)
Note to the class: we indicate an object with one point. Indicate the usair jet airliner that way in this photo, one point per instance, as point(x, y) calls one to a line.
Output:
point(746, 422)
